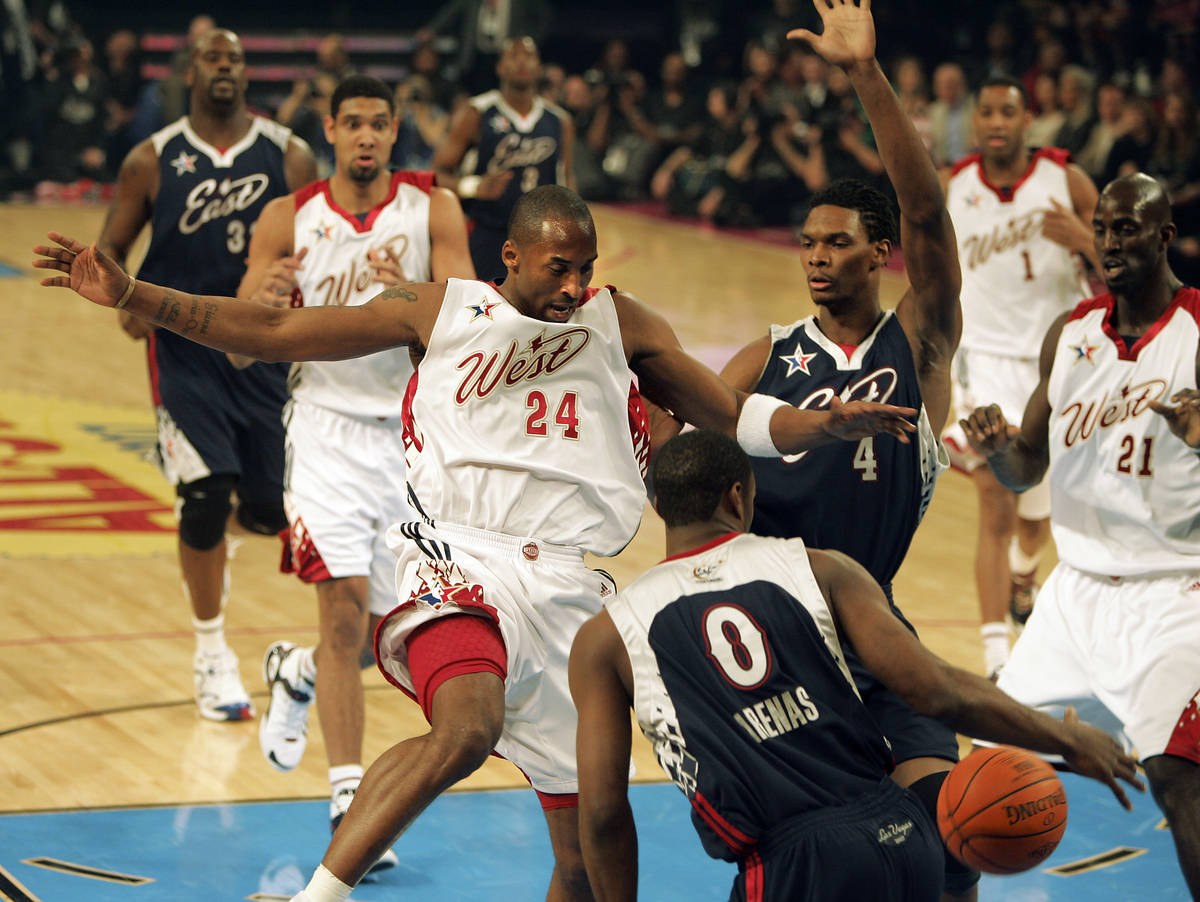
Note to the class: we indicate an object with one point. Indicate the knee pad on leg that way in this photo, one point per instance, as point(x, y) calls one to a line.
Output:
point(204, 508)
point(263, 518)
point(959, 877)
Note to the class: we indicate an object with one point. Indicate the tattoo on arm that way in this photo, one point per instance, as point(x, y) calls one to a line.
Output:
point(168, 310)
point(398, 291)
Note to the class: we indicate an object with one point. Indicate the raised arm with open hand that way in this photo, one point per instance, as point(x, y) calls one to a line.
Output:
point(1184, 417)
point(849, 35)
point(89, 272)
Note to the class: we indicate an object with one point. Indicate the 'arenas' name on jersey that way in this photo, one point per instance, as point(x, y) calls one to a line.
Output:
point(777, 715)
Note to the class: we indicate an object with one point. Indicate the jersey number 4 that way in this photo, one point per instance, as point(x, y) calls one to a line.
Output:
point(565, 416)
point(864, 460)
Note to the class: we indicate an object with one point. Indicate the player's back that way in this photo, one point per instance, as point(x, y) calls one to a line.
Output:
point(1015, 280)
point(530, 146)
point(863, 498)
point(741, 685)
point(337, 273)
point(1125, 491)
point(527, 427)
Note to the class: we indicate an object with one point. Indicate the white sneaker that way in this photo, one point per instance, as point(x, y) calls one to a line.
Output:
point(283, 730)
point(337, 810)
point(219, 691)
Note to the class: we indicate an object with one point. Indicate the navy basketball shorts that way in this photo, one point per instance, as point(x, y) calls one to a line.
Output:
point(215, 419)
point(911, 735)
point(883, 847)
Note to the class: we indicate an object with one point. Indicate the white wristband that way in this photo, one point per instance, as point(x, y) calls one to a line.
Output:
point(754, 425)
point(324, 887)
point(468, 185)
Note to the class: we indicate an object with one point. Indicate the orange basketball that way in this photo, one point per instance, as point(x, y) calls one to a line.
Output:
point(1002, 810)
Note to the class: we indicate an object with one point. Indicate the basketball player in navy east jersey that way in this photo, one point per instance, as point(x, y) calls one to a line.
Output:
point(730, 654)
point(201, 182)
point(519, 141)
point(866, 500)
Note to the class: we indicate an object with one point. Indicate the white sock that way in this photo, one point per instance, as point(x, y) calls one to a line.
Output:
point(210, 635)
point(1020, 563)
point(308, 669)
point(344, 778)
point(995, 646)
point(324, 887)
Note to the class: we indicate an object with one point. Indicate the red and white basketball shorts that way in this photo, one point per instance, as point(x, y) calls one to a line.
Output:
point(539, 594)
point(980, 379)
point(1125, 652)
point(343, 487)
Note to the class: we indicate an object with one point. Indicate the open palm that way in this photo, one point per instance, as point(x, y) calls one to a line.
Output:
point(88, 272)
point(849, 32)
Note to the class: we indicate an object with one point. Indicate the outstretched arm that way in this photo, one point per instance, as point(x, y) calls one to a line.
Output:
point(1018, 457)
point(601, 685)
point(965, 701)
point(674, 379)
point(929, 310)
point(400, 315)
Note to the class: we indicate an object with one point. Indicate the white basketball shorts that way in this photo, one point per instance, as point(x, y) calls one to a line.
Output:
point(980, 379)
point(343, 487)
point(539, 595)
point(1124, 651)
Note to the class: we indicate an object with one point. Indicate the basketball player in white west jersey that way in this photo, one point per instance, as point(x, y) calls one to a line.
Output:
point(335, 243)
point(1020, 217)
point(1116, 630)
point(523, 402)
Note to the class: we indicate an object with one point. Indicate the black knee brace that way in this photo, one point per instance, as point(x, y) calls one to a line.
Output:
point(203, 510)
point(959, 877)
point(264, 518)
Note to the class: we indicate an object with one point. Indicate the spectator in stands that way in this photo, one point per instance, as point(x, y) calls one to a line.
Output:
point(1110, 108)
point(1051, 57)
point(551, 88)
point(423, 124)
point(1176, 162)
point(756, 92)
point(770, 27)
point(670, 117)
point(333, 58)
point(591, 181)
point(426, 62)
point(1001, 57)
point(1049, 119)
point(692, 179)
point(1134, 145)
point(950, 114)
point(847, 139)
point(1075, 99)
point(123, 71)
point(304, 112)
point(174, 90)
point(74, 111)
point(18, 69)
point(908, 79)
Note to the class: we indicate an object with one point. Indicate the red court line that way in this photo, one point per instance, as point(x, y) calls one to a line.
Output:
point(137, 637)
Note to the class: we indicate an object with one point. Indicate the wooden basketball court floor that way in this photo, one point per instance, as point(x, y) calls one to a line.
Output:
point(111, 787)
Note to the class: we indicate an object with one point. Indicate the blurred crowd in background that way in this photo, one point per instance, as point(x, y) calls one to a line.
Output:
point(726, 120)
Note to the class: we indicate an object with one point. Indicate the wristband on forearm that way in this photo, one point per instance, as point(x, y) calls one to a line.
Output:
point(124, 299)
point(754, 425)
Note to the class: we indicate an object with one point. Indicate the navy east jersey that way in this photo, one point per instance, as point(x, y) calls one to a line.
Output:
point(863, 498)
point(741, 685)
point(530, 146)
point(208, 202)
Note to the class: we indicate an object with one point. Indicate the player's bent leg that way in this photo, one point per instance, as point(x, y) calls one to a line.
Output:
point(961, 883)
point(569, 882)
point(467, 715)
point(1175, 782)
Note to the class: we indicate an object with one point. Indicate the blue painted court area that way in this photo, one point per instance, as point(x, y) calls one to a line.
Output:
point(8, 272)
point(485, 847)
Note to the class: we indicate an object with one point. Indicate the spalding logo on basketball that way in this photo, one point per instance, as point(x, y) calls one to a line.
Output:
point(1002, 810)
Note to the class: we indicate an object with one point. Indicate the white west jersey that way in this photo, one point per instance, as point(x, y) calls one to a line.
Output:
point(1125, 491)
point(1015, 282)
point(335, 272)
point(526, 427)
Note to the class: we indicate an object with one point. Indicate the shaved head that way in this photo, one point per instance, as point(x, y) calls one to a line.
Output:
point(205, 39)
point(543, 206)
point(1142, 194)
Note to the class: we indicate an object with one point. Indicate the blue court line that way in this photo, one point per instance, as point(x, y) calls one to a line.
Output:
point(8, 272)
point(492, 847)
